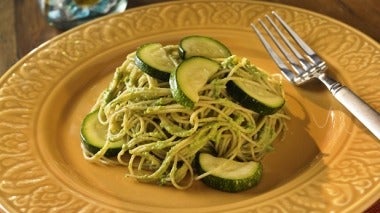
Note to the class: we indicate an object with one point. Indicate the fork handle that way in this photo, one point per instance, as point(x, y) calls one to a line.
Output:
point(369, 117)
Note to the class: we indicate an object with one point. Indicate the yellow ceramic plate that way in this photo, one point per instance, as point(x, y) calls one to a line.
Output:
point(327, 160)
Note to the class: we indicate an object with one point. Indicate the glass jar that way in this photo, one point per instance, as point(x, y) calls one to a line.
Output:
point(65, 14)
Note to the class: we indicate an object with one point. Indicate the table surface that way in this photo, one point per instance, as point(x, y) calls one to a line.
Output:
point(23, 28)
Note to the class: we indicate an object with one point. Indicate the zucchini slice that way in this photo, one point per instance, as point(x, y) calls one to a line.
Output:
point(93, 136)
point(152, 59)
point(254, 97)
point(202, 46)
point(189, 78)
point(227, 175)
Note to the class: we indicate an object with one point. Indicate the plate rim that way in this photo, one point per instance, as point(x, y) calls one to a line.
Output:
point(40, 48)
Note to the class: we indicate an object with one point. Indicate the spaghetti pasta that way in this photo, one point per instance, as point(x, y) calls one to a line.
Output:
point(161, 137)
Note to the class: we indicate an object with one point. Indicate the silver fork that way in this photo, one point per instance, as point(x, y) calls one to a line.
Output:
point(302, 64)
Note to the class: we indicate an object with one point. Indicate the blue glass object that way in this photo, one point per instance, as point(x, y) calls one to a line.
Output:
point(64, 14)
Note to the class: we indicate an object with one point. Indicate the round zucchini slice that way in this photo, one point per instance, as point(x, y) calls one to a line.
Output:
point(254, 97)
point(152, 59)
point(189, 78)
point(228, 175)
point(93, 136)
point(202, 46)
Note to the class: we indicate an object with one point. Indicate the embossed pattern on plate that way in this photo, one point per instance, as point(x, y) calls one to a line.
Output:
point(43, 97)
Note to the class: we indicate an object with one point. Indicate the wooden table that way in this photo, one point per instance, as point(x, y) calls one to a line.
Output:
point(23, 28)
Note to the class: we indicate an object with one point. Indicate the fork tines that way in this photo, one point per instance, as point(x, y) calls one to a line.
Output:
point(304, 63)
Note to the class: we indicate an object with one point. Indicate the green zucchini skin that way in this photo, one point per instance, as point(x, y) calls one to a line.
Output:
point(178, 94)
point(229, 185)
point(196, 45)
point(90, 133)
point(249, 102)
point(158, 74)
point(146, 61)
point(189, 77)
point(112, 152)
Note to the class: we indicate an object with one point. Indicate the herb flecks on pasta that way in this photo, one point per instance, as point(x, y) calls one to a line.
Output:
point(161, 138)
